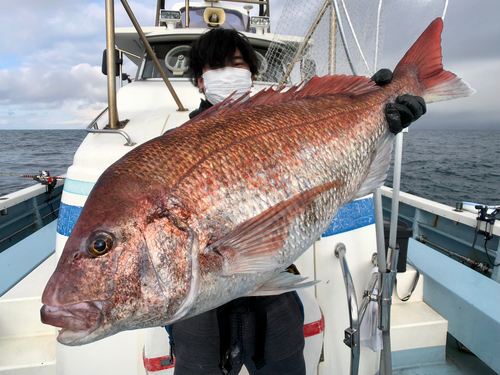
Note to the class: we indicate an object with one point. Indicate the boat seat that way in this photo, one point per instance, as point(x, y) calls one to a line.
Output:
point(467, 299)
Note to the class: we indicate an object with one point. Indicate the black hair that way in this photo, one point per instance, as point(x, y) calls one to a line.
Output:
point(215, 48)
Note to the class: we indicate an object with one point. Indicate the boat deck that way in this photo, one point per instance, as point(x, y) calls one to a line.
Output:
point(458, 362)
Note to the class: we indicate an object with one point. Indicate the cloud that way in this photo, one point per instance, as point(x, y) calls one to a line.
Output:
point(50, 67)
point(483, 75)
point(70, 98)
point(37, 87)
point(480, 110)
point(472, 30)
point(45, 25)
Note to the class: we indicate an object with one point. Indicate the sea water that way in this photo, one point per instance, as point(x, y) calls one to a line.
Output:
point(449, 166)
point(27, 152)
point(446, 166)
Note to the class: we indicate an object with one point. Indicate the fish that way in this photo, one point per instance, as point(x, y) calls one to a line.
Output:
point(218, 208)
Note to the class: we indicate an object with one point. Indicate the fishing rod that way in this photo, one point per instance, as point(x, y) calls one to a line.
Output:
point(43, 177)
point(30, 175)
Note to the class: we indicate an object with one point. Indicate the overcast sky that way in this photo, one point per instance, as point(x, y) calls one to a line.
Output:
point(51, 50)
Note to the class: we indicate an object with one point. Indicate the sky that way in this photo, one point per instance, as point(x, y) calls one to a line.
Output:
point(51, 51)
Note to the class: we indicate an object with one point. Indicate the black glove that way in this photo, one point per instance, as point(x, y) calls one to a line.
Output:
point(382, 77)
point(408, 108)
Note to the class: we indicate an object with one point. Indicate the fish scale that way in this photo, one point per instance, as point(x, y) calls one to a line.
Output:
point(196, 190)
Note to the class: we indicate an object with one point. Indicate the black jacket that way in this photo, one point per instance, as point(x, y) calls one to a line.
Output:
point(204, 105)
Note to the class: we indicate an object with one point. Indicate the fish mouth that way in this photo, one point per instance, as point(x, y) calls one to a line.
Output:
point(77, 321)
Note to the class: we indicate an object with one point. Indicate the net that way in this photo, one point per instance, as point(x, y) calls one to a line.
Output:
point(318, 37)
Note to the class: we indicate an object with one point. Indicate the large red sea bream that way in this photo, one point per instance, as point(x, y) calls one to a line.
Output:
point(217, 208)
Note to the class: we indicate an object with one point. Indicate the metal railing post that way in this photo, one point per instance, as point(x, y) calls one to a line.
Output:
point(111, 62)
point(151, 54)
point(352, 333)
point(356, 315)
point(388, 277)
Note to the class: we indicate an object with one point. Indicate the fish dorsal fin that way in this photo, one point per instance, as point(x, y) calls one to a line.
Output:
point(282, 283)
point(378, 167)
point(337, 84)
point(253, 245)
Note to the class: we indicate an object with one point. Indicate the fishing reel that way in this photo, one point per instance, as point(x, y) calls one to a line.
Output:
point(45, 179)
point(488, 219)
point(485, 223)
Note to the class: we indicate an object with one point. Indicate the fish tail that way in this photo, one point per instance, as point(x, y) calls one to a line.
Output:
point(425, 58)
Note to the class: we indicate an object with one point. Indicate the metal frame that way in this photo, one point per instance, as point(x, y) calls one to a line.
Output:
point(93, 128)
point(342, 36)
point(161, 5)
point(114, 121)
point(352, 337)
point(111, 62)
point(352, 333)
point(152, 54)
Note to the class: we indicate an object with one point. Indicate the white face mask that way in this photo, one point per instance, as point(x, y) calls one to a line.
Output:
point(220, 83)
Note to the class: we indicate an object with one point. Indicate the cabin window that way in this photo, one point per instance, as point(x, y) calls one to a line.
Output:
point(173, 60)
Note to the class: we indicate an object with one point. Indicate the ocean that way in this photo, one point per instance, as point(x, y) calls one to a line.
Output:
point(446, 166)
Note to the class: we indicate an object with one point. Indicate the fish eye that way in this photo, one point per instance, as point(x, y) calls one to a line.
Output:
point(100, 244)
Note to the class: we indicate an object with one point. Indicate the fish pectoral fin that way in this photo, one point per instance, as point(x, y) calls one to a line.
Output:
point(378, 167)
point(255, 245)
point(282, 283)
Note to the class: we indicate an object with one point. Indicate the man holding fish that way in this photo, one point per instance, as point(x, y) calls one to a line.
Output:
point(234, 196)
point(263, 333)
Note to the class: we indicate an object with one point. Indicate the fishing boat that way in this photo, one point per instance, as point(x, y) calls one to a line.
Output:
point(437, 311)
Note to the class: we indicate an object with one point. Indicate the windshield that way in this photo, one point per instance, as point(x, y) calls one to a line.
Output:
point(172, 57)
point(173, 54)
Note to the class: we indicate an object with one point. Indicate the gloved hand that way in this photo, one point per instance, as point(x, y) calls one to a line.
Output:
point(408, 108)
point(400, 115)
point(382, 77)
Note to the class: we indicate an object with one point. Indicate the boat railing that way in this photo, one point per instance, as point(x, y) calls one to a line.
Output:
point(352, 333)
point(452, 231)
point(93, 127)
point(356, 315)
point(27, 231)
point(26, 211)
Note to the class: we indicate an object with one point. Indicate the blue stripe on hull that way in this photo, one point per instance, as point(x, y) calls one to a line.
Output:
point(352, 216)
point(68, 215)
point(78, 187)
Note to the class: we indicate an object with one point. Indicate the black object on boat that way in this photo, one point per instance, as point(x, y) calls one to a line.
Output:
point(403, 234)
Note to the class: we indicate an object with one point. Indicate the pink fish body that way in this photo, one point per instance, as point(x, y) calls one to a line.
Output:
point(219, 207)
